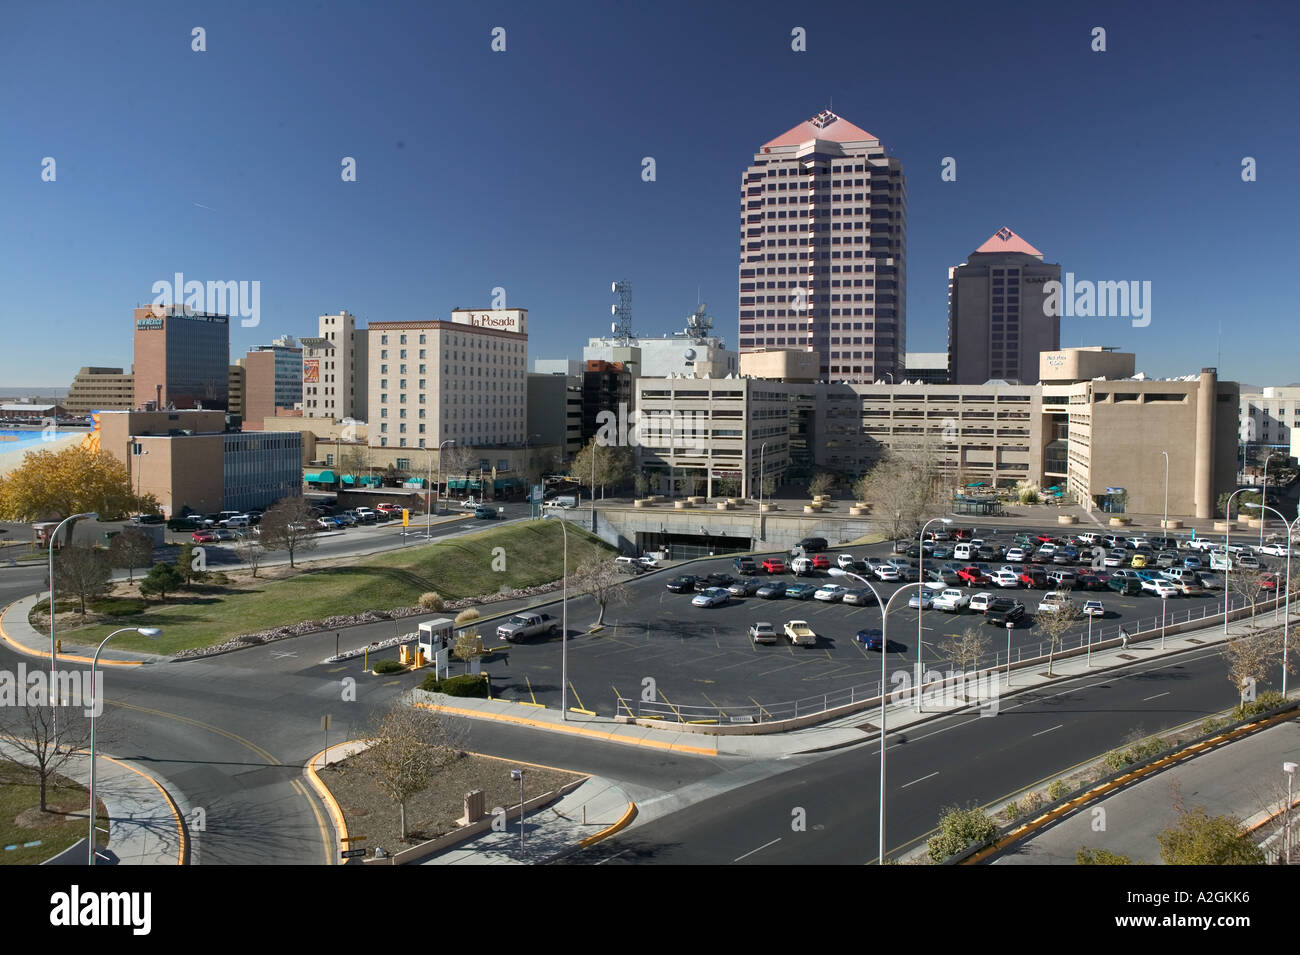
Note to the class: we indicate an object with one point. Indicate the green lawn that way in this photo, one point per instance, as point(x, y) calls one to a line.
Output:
point(20, 793)
point(462, 567)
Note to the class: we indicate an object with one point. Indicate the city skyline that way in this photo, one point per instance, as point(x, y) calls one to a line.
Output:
point(1122, 185)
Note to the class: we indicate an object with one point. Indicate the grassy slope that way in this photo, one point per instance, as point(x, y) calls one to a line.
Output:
point(461, 567)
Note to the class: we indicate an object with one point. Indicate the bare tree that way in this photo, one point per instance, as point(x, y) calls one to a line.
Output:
point(821, 484)
point(82, 572)
point(130, 549)
point(600, 578)
point(250, 551)
point(1249, 584)
point(410, 746)
point(1055, 625)
point(49, 739)
point(458, 460)
point(468, 646)
point(289, 526)
point(965, 650)
point(1250, 657)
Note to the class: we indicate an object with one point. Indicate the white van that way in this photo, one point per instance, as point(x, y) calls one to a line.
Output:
point(1220, 560)
point(962, 552)
point(801, 565)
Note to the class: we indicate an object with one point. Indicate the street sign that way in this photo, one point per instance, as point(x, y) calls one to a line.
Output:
point(353, 853)
point(406, 517)
point(325, 722)
point(353, 839)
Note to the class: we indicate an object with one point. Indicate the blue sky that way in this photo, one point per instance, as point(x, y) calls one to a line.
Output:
point(521, 169)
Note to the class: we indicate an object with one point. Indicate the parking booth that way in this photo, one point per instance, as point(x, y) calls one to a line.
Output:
point(434, 643)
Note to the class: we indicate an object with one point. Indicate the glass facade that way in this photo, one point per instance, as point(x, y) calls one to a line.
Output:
point(198, 353)
point(261, 468)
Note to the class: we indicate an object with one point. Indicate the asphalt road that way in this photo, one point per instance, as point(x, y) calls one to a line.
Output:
point(961, 760)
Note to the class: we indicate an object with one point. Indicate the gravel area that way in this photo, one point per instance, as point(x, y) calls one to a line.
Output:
point(433, 812)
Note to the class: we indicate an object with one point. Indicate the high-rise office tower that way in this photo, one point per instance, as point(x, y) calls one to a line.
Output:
point(182, 358)
point(823, 246)
point(997, 324)
point(334, 369)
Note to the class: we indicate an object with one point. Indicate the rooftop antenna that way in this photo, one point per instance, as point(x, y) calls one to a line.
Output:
point(622, 329)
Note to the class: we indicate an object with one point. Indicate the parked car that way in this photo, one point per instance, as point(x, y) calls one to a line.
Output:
point(801, 566)
point(860, 597)
point(719, 580)
point(1090, 582)
point(1094, 608)
point(871, 638)
point(1126, 586)
point(745, 565)
point(745, 588)
point(980, 602)
point(813, 545)
point(1003, 611)
point(772, 565)
point(1016, 554)
point(846, 561)
point(886, 572)
point(821, 561)
point(762, 633)
point(801, 591)
point(1115, 558)
point(366, 516)
point(1006, 578)
point(1161, 588)
point(920, 601)
point(711, 597)
point(800, 634)
point(1053, 602)
point(630, 565)
point(951, 600)
point(1249, 562)
point(831, 593)
point(972, 575)
point(200, 537)
point(1275, 550)
point(680, 585)
point(773, 590)
point(1033, 577)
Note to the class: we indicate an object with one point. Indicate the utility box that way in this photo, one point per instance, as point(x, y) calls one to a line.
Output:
point(475, 807)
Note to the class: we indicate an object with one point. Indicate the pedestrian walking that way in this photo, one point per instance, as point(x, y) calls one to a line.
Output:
point(1123, 636)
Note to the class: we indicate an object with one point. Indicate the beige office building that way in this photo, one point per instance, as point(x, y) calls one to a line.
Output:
point(100, 389)
point(334, 369)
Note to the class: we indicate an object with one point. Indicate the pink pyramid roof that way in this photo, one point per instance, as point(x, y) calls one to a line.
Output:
point(1004, 240)
point(825, 125)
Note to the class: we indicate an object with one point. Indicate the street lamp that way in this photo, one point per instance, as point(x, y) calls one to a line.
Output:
point(437, 503)
point(1289, 768)
point(564, 622)
point(1227, 557)
point(760, 490)
point(1164, 525)
point(53, 653)
point(1164, 607)
point(518, 776)
point(1263, 499)
point(884, 694)
point(1286, 610)
point(920, 610)
point(94, 703)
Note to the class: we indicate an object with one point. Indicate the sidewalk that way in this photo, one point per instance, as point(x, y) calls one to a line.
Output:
point(145, 825)
point(552, 831)
point(1244, 779)
point(21, 637)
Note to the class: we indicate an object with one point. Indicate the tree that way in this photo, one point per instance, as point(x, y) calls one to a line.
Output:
point(1245, 497)
point(457, 460)
point(1247, 583)
point(1086, 856)
point(904, 488)
point(769, 485)
point(410, 745)
point(965, 650)
point(1198, 839)
point(189, 565)
point(613, 465)
point(642, 484)
point(161, 579)
point(960, 829)
point(82, 572)
point(600, 578)
point(49, 738)
point(130, 549)
point(50, 484)
point(821, 484)
point(250, 551)
point(289, 526)
point(1250, 657)
point(690, 484)
point(468, 646)
point(351, 460)
point(1054, 626)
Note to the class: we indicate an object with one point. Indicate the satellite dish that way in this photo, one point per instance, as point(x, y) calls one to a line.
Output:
point(613, 328)
point(613, 310)
point(613, 286)
point(690, 354)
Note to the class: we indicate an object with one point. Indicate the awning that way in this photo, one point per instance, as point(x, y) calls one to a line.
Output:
point(976, 484)
point(320, 477)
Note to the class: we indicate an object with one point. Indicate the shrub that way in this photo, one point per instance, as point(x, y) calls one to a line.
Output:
point(388, 666)
point(464, 685)
point(1057, 789)
point(1086, 856)
point(1117, 759)
point(960, 829)
point(218, 577)
point(1211, 726)
point(118, 606)
point(465, 616)
point(1261, 704)
point(1013, 811)
point(1032, 802)
point(431, 601)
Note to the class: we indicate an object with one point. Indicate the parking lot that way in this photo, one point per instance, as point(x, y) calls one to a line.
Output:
point(658, 647)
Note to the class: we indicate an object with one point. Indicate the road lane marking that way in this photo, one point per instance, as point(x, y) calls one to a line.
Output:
point(921, 780)
point(1157, 696)
point(1056, 727)
point(759, 849)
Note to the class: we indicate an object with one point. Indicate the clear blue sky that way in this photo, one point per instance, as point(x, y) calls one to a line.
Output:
point(522, 169)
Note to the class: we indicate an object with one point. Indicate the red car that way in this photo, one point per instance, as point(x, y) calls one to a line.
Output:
point(821, 562)
point(774, 565)
point(1046, 539)
point(1268, 582)
point(203, 537)
point(972, 575)
point(388, 509)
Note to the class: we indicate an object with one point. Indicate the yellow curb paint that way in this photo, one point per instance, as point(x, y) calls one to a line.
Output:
point(327, 797)
point(4, 635)
point(622, 823)
point(171, 804)
point(607, 736)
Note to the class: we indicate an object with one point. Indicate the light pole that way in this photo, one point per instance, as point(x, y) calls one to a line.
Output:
point(564, 623)
point(1263, 499)
point(1164, 525)
point(518, 775)
point(54, 713)
point(760, 490)
point(1164, 607)
point(884, 693)
point(1289, 768)
point(1286, 610)
point(94, 704)
point(1089, 641)
point(1227, 556)
point(920, 609)
point(437, 502)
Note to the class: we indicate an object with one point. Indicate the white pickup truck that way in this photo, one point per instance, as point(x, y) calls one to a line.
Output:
point(524, 625)
point(800, 634)
point(951, 600)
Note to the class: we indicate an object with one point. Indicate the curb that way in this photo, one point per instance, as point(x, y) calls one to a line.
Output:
point(624, 821)
point(183, 856)
point(20, 648)
point(327, 797)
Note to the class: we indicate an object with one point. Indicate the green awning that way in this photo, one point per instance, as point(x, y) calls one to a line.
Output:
point(349, 480)
point(320, 477)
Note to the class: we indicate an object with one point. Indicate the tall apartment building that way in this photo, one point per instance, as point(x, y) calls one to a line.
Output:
point(272, 380)
point(1268, 420)
point(334, 369)
point(823, 240)
point(182, 358)
point(464, 380)
point(997, 325)
point(555, 411)
point(100, 389)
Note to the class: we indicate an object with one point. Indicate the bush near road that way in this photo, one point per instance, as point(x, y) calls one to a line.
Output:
point(455, 568)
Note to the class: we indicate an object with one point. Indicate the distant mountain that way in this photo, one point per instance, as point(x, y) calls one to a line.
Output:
point(10, 393)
